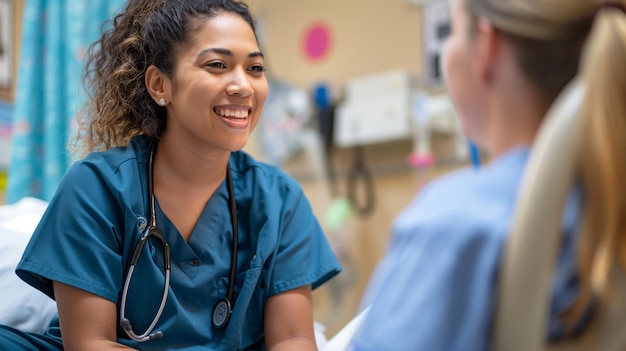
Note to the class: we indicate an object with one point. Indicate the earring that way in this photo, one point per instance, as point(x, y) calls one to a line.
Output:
point(162, 102)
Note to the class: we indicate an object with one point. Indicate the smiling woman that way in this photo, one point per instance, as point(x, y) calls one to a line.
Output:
point(177, 87)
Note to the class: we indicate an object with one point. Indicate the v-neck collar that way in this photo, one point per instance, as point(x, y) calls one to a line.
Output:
point(212, 234)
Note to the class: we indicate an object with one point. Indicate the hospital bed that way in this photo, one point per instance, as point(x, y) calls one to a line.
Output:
point(530, 253)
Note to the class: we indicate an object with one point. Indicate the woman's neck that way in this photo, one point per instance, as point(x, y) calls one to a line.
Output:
point(514, 121)
point(187, 168)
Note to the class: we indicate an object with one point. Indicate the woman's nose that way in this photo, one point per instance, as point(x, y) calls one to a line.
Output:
point(239, 84)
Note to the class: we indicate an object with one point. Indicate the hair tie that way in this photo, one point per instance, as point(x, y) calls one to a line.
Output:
point(614, 4)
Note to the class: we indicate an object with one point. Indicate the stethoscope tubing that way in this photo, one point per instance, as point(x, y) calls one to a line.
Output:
point(126, 323)
point(152, 230)
point(235, 246)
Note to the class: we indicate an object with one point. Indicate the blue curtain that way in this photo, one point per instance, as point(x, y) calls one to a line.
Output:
point(50, 93)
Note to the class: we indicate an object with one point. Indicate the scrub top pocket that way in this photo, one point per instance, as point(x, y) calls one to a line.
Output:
point(248, 306)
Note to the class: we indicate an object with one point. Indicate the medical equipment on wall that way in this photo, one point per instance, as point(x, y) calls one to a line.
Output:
point(341, 208)
point(421, 155)
point(436, 28)
point(422, 158)
point(286, 116)
point(376, 108)
point(223, 308)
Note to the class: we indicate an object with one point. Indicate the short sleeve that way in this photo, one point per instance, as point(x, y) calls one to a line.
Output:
point(432, 292)
point(77, 240)
point(303, 255)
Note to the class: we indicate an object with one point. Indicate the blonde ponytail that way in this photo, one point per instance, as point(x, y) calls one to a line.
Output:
point(602, 240)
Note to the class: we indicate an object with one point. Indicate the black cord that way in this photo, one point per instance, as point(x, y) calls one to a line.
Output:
point(359, 174)
point(233, 219)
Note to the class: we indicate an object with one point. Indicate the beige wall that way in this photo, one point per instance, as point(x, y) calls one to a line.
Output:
point(368, 36)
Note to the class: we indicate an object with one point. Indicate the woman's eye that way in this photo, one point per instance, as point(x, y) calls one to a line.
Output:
point(216, 65)
point(257, 68)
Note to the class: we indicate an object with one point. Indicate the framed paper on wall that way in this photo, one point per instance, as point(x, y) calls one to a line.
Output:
point(436, 22)
point(8, 55)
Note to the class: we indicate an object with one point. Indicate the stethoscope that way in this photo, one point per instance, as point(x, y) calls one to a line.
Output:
point(223, 308)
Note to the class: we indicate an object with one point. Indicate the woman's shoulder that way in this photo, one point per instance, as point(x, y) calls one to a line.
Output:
point(498, 178)
point(247, 168)
point(118, 167)
point(137, 151)
point(479, 200)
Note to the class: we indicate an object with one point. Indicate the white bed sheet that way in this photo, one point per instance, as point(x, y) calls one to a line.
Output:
point(21, 306)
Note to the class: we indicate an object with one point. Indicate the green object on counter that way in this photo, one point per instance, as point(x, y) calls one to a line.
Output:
point(338, 213)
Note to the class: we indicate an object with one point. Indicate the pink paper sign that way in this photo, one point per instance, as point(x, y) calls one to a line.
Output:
point(317, 40)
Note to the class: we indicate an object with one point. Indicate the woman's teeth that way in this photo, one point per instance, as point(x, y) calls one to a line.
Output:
point(232, 113)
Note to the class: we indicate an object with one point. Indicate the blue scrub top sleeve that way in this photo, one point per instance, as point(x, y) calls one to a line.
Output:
point(77, 241)
point(303, 255)
point(432, 293)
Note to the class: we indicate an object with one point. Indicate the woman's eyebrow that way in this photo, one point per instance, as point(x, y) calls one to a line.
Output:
point(256, 54)
point(227, 52)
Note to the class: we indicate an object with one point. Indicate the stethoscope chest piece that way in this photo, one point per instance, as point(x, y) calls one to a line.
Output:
point(221, 313)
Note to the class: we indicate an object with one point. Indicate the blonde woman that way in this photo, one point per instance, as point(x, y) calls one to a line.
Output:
point(506, 62)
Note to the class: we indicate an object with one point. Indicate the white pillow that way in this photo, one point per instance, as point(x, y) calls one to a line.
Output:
point(21, 306)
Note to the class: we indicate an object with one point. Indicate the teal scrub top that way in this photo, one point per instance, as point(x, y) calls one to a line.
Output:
point(88, 233)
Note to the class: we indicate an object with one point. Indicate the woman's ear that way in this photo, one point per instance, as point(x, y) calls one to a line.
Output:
point(488, 51)
point(157, 84)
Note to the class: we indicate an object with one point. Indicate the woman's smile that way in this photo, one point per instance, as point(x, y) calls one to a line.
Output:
point(234, 117)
